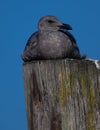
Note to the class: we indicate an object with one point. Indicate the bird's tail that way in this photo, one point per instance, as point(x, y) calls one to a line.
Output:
point(83, 56)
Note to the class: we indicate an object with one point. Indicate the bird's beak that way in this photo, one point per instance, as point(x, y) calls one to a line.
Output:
point(65, 26)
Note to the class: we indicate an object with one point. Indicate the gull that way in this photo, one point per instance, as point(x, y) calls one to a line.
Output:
point(52, 40)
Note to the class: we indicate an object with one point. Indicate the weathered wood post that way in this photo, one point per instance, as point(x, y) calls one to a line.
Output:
point(62, 95)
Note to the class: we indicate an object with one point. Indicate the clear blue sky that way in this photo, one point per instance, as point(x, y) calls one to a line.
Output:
point(18, 20)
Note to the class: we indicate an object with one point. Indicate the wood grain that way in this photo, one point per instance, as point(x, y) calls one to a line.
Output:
point(62, 95)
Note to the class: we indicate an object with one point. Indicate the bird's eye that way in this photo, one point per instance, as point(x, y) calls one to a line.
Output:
point(50, 21)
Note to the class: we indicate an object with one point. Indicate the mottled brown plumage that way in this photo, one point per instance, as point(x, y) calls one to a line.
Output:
point(51, 41)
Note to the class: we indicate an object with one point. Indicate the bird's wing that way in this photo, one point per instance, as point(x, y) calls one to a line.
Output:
point(30, 51)
point(32, 41)
point(71, 37)
point(75, 53)
point(68, 34)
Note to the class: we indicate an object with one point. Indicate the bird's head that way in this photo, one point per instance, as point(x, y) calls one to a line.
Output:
point(52, 23)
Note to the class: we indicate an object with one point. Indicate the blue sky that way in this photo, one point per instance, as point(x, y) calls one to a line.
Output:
point(18, 20)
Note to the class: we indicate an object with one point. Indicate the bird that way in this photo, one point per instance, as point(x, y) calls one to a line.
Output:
point(52, 40)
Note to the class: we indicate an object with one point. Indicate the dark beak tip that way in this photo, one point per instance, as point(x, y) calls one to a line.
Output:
point(70, 28)
point(67, 26)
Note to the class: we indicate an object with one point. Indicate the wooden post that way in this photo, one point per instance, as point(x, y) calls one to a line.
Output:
point(62, 95)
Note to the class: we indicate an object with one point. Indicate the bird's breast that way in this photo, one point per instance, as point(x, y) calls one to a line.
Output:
point(53, 44)
point(53, 38)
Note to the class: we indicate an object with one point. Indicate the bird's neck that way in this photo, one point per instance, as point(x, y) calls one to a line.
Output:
point(47, 30)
